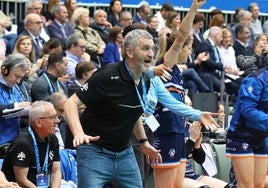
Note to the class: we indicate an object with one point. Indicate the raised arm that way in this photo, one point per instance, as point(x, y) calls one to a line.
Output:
point(182, 34)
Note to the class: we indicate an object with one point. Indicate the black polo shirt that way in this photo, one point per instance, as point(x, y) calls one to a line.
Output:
point(21, 153)
point(112, 106)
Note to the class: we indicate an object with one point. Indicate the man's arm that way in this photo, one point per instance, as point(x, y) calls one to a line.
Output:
point(55, 175)
point(152, 155)
point(21, 177)
point(72, 116)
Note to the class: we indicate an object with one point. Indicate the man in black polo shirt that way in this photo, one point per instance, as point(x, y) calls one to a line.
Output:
point(33, 158)
point(114, 97)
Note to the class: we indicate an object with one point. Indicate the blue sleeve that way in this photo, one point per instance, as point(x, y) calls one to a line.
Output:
point(109, 54)
point(150, 72)
point(177, 107)
point(252, 93)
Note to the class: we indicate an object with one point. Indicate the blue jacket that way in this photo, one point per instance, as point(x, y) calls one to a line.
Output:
point(250, 120)
point(9, 128)
point(110, 54)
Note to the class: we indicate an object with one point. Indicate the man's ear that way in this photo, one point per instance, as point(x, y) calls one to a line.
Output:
point(129, 53)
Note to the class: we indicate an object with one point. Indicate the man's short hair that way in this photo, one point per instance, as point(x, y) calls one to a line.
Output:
point(167, 7)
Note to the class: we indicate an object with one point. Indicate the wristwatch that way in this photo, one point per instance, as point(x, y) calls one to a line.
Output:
point(141, 141)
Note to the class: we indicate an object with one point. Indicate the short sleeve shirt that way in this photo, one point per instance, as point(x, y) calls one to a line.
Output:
point(112, 106)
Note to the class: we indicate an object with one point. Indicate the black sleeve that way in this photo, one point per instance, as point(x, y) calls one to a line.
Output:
point(189, 146)
point(199, 155)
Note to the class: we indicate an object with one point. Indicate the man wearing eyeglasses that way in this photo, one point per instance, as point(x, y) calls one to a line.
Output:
point(143, 12)
point(76, 47)
point(33, 26)
point(33, 158)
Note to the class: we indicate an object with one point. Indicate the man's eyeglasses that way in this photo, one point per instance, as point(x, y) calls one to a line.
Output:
point(38, 22)
point(54, 117)
point(82, 46)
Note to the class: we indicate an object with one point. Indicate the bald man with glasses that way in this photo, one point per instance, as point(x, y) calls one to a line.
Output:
point(33, 158)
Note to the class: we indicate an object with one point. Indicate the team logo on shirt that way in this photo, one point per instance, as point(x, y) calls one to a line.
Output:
point(114, 77)
point(244, 146)
point(84, 87)
point(21, 156)
point(250, 89)
point(51, 155)
point(171, 152)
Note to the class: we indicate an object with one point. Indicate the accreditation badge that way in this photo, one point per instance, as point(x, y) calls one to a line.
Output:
point(42, 181)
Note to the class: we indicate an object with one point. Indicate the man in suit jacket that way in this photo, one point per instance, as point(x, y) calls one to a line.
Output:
point(209, 70)
point(33, 26)
point(143, 12)
point(59, 28)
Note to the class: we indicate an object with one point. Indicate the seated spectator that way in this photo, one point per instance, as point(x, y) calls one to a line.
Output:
point(244, 17)
point(233, 76)
point(112, 51)
point(172, 23)
point(245, 57)
point(94, 44)
point(198, 24)
point(259, 46)
point(83, 72)
point(48, 82)
point(114, 12)
point(59, 28)
point(163, 14)
point(142, 13)
point(53, 45)
point(34, 156)
point(217, 20)
point(255, 23)
point(13, 69)
point(48, 13)
point(71, 5)
point(125, 19)
point(75, 53)
point(152, 25)
point(24, 45)
point(101, 25)
point(209, 70)
point(33, 25)
point(36, 7)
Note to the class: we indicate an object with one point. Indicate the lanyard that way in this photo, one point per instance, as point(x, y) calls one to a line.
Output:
point(23, 91)
point(51, 88)
point(36, 150)
point(143, 100)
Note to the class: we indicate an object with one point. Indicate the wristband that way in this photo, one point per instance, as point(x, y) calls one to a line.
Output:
point(141, 141)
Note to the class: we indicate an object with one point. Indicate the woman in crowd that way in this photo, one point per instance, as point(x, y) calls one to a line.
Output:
point(94, 44)
point(172, 23)
point(152, 25)
point(217, 20)
point(71, 5)
point(24, 45)
point(227, 54)
point(112, 51)
point(114, 10)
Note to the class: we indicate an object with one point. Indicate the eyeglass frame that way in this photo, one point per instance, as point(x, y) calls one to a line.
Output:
point(54, 117)
point(38, 22)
